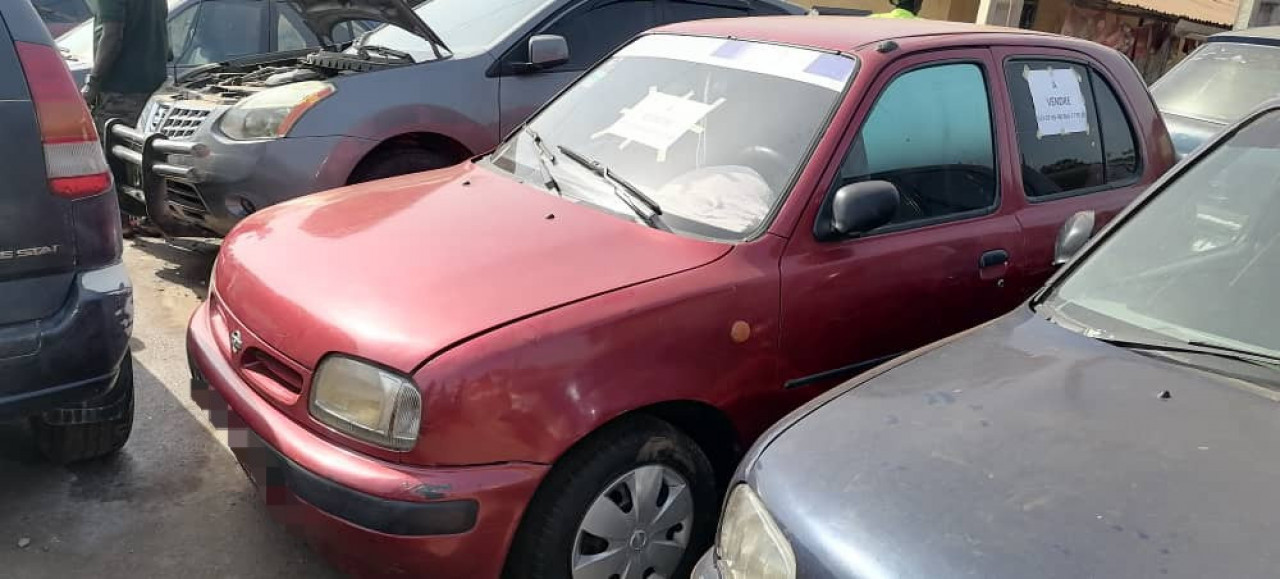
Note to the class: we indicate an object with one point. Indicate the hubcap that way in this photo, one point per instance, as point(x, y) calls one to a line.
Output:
point(637, 528)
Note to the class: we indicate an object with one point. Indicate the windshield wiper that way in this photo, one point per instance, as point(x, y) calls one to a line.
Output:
point(1197, 347)
point(545, 156)
point(628, 193)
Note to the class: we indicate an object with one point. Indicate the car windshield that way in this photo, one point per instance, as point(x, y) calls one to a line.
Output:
point(1200, 262)
point(464, 25)
point(711, 130)
point(1221, 82)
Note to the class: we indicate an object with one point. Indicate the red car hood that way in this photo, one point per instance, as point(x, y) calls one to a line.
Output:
point(397, 270)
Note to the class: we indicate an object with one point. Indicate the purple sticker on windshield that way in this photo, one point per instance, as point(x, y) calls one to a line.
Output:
point(730, 50)
point(831, 66)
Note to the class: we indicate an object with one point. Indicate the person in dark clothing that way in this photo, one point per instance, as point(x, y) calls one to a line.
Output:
point(131, 50)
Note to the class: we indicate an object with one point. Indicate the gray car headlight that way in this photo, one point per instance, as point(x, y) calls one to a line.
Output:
point(750, 545)
point(272, 113)
point(366, 402)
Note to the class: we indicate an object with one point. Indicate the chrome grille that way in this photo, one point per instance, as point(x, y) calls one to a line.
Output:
point(175, 121)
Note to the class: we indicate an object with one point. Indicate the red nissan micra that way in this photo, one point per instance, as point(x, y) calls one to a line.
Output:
point(543, 364)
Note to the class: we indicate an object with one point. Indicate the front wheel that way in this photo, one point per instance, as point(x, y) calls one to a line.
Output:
point(637, 500)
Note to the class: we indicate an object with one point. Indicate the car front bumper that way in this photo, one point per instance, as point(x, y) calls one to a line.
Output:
point(207, 184)
point(370, 517)
point(73, 355)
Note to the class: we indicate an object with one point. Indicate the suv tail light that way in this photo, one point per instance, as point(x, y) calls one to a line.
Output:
point(73, 156)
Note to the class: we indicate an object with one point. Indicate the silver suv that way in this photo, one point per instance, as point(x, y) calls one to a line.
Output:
point(431, 87)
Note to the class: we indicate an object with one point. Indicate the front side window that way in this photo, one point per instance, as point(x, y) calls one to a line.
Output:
point(685, 10)
point(1221, 82)
point(602, 26)
point(930, 134)
point(712, 130)
point(1200, 262)
point(1073, 135)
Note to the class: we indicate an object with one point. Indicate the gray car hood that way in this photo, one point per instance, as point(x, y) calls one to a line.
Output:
point(1025, 450)
point(322, 15)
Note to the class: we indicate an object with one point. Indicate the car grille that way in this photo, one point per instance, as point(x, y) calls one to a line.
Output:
point(175, 121)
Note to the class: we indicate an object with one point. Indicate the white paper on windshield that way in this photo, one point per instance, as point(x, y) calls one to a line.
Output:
point(1059, 102)
point(659, 120)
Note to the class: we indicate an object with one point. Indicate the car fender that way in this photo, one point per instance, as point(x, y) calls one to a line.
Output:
point(528, 391)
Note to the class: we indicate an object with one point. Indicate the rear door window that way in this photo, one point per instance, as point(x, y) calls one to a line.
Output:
point(1073, 134)
point(930, 133)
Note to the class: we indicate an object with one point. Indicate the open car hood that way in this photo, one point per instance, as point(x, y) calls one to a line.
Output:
point(322, 15)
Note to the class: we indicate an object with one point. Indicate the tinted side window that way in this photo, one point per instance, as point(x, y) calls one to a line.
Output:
point(1073, 134)
point(930, 134)
point(291, 35)
point(684, 10)
point(1118, 143)
point(597, 28)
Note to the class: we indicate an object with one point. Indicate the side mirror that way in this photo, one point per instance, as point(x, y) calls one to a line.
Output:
point(547, 51)
point(1073, 235)
point(861, 207)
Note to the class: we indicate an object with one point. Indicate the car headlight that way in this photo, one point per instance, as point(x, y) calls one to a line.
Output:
point(366, 402)
point(750, 545)
point(272, 112)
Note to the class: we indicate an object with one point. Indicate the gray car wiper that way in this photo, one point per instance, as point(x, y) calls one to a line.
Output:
point(1197, 347)
point(545, 156)
point(628, 193)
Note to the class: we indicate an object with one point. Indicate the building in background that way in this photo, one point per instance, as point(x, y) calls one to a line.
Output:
point(1155, 34)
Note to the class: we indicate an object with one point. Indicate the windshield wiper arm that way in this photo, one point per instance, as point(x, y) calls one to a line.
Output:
point(545, 156)
point(633, 193)
point(1196, 347)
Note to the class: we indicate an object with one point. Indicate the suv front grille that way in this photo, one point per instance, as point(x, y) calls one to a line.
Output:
point(175, 121)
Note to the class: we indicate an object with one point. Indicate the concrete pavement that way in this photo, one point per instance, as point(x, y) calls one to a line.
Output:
point(174, 503)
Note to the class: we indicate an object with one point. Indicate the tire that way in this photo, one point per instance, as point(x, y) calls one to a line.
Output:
point(68, 443)
point(398, 160)
point(555, 538)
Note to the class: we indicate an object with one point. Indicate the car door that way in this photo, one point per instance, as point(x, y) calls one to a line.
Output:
point(593, 29)
point(1091, 163)
point(932, 130)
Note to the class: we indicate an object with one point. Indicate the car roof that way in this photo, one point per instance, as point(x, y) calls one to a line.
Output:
point(835, 33)
point(1262, 35)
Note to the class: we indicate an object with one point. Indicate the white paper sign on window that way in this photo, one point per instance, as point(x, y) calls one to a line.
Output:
point(659, 120)
point(1059, 101)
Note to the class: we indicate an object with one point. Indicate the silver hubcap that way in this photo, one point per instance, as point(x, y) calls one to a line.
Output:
point(638, 528)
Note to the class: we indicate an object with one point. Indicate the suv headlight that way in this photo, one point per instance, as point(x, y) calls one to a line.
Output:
point(366, 402)
point(271, 113)
point(750, 545)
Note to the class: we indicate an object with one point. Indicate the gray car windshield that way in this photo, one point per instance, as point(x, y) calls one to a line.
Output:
point(1200, 262)
point(710, 130)
point(1221, 82)
point(464, 25)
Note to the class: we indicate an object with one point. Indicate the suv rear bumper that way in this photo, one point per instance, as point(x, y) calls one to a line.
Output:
point(73, 355)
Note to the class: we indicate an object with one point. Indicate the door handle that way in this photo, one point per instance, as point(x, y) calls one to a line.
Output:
point(993, 258)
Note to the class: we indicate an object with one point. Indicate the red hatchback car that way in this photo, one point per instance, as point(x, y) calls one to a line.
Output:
point(544, 363)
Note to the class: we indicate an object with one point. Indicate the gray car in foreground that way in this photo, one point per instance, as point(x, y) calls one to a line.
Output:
point(66, 305)
point(436, 85)
point(1123, 423)
point(1230, 75)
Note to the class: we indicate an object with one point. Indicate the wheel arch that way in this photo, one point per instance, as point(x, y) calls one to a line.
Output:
point(425, 140)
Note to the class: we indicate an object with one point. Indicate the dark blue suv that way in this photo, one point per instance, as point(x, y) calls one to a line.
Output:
point(66, 305)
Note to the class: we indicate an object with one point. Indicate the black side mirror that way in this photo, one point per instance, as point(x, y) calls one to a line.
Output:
point(546, 51)
point(861, 207)
point(1073, 235)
